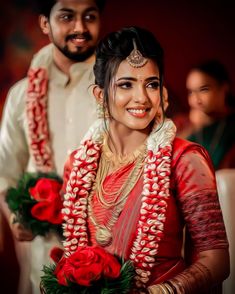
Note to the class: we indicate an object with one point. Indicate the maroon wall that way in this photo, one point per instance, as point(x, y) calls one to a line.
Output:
point(189, 31)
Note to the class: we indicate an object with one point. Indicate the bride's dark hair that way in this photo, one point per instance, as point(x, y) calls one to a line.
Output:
point(115, 48)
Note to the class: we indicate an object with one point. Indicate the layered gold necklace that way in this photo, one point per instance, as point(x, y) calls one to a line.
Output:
point(117, 198)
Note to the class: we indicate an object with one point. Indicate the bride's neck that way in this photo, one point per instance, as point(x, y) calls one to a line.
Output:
point(123, 141)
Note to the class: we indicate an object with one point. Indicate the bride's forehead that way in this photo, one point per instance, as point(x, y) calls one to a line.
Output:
point(125, 69)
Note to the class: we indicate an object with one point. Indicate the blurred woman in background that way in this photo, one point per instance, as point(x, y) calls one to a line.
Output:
point(212, 112)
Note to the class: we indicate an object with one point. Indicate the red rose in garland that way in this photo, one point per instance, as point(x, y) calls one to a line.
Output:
point(47, 193)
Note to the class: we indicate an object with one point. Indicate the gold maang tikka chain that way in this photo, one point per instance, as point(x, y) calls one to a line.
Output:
point(136, 59)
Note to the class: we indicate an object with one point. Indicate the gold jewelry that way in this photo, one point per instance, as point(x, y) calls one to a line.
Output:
point(102, 112)
point(114, 160)
point(103, 233)
point(136, 59)
point(194, 279)
point(164, 289)
point(172, 286)
point(109, 161)
point(158, 289)
point(169, 288)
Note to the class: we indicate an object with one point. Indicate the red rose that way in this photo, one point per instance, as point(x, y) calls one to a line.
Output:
point(112, 267)
point(60, 273)
point(47, 193)
point(88, 265)
point(45, 189)
point(84, 266)
point(48, 211)
point(56, 254)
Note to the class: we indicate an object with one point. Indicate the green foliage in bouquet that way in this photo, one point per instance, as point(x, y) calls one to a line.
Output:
point(21, 202)
point(89, 270)
point(121, 285)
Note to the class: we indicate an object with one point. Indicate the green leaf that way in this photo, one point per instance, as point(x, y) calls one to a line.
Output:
point(121, 285)
point(20, 202)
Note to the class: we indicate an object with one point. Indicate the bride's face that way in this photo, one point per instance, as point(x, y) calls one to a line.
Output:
point(134, 98)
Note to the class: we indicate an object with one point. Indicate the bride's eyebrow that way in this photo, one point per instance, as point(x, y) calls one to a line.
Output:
point(136, 79)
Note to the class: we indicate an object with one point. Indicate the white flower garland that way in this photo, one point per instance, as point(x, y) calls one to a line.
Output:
point(150, 228)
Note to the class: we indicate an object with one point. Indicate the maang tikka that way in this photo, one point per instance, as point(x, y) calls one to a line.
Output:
point(136, 59)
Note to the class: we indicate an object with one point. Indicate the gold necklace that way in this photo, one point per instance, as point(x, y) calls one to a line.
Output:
point(108, 162)
point(103, 232)
point(117, 160)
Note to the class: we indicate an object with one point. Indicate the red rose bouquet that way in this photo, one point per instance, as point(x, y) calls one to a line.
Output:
point(89, 270)
point(36, 202)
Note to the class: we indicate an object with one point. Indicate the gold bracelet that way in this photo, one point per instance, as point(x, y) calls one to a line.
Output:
point(154, 289)
point(178, 286)
point(169, 288)
point(164, 288)
point(158, 289)
point(170, 284)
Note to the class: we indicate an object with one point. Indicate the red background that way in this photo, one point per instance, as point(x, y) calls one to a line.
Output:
point(189, 31)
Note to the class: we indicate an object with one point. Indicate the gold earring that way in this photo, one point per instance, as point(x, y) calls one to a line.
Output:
point(106, 113)
point(102, 112)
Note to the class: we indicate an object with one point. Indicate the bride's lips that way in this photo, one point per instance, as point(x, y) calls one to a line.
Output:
point(138, 112)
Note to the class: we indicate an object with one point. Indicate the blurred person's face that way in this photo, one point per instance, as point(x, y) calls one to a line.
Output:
point(205, 94)
point(73, 27)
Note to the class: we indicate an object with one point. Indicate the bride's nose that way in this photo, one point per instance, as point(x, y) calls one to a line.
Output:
point(140, 95)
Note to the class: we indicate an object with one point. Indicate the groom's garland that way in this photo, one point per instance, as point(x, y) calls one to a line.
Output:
point(36, 110)
point(36, 201)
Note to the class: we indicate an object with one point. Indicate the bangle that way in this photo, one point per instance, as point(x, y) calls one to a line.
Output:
point(170, 289)
point(160, 289)
point(177, 286)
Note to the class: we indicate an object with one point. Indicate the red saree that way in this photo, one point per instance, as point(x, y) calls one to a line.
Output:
point(188, 184)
